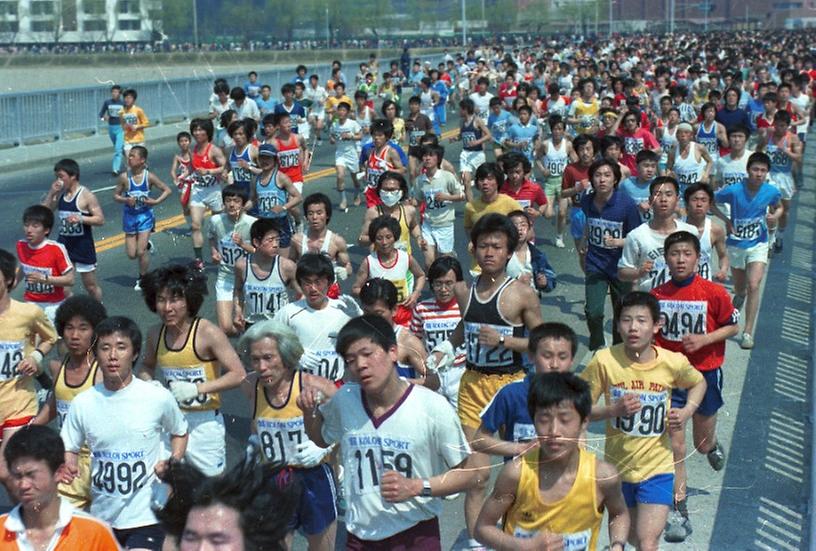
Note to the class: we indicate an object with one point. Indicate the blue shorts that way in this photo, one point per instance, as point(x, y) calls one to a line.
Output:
point(577, 222)
point(658, 490)
point(138, 223)
point(713, 399)
point(317, 508)
point(143, 537)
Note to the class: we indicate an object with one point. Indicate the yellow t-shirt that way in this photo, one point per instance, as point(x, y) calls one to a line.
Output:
point(586, 113)
point(20, 328)
point(576, 516)
point(504, 204)
point(133, 116)
point(638, 445)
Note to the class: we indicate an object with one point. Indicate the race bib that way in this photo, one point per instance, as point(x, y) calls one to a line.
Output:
point(37, 287)
point(683, 317)
point(686, 178)
point(748, 228)
point(525, 203)
point(241, 174)
point(599, 229)
point(68, 228)
point(268, 201)
point(483, 355)
point(114, 110)
point(468, 138)
point(205, 180)
point(632, 146)
point(230, 252)
point(139, 196)
point(289, 159)
point(192, 374)
point(414, 136)
point(11, 354)
point(576, 541)
point(280, 438)
point(500, 127)
point(372, 454)
point(264, 301)
point(556, 166)
point(62, 411)
point(329, 366)
point(729, 178)
point(650, 421)
point(522, 432)
point(659, 274)
point(431, 203)
point(704, 266)
point(119, 473)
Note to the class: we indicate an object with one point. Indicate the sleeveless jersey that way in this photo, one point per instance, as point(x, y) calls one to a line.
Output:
point(780, 162)
point(478, 314)
point(586, 113)
point(470, 133)
point(687, 170)
point(397, 273)
point(404, 242)
point(704, 267)
point(184, 168)
point(184, 364)
point(264, 297)
point(365, 123)
point(426, 104)
point(289, 158)
point(139, 191)
point(404, 370)
point(280, 429)
point(376, 165)
point(668, 139)
point(270, 195)
point(64, 393)
point(708, 138)
point(730, 170)
point(324, 248)
point(77, 237)
point(203, 160)
point(575, 516)
point(556, 159)
point(241, 176)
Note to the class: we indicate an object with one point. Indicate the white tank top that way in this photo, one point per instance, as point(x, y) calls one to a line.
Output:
point(556, 158)
point(396, 273)
point(264, 297)
point(324, 248)
point(687, 170)
point(426, 104)
point(516, 268)
point(704, 267)
point(668, 139)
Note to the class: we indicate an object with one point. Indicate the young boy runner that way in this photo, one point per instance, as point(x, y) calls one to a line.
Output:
point(396, 462)
point(697, 318)
point(274, 195)
point(229, 237)
point(519, 186)
point(181, 171)
point(699, 198)
point(346, 133)
point(643, 262)
point(498, 121)
point(523, 135)
point(553, 156)
point(294, 159)
point(755, 206)
point(554, 496)
point(417, 124)
point(636, 379)
point(242, 162)
point(474, 134)
point(138, 221)
point(637, 187)
point(134, 120)
point(109, 112)
point(78, 210)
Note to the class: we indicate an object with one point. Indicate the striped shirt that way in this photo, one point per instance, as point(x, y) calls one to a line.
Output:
point(433, 323)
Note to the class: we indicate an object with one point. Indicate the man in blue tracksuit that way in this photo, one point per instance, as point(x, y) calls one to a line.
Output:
point(110, 112)
point(439, 86)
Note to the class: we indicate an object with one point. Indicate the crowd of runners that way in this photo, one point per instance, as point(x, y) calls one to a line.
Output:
point(670, 163)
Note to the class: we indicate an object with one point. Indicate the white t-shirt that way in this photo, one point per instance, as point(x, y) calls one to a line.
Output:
point(419, 437)
point(317, 331)
point(345, 147)
point(124, 448)
point(730, 171)
point(642, 244)
point(482, 104)
point(438, 213)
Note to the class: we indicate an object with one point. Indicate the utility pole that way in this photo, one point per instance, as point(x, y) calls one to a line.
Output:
point(195, 23)
point(328, 31)
point(609, 34)
point(464, 25)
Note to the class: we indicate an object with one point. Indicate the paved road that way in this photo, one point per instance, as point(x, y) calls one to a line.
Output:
point(755, 503)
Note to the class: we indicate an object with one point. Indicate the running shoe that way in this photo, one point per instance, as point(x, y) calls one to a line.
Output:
point(716, 457)
point(747, 342)
point(138, 286)
point(739, 300)
point(678, 528)
point(343, 205)
point(777, 246)
point(151, 247)
point(559, 242)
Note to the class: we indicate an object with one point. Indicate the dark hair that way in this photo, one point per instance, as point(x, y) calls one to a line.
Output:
point(183, 134)
point(511, 160)
point(495, 223)
point(264, 496)
point(8, 268)
point(234, 190)
point(552, 388)
point(381, 126)
point(262, 226)
point(583, 139)
point(388, 103)
point(706, 106)
point(360, 94)
point(301, 67)
point(468, 105)
point(442, 265)
point(205, 124)
point(314, 264)
point(124, 326)
point(36, 442)
point(288, 88)
point(116, 87)
point(681, 237)
point(344, 105)
point(437, 150)
point(225, 118)
point(378, 288)
point(384, 221)
point(646, 155)
point(694, 188)
point(39, 214)
point(367, 326)
point(414, 99)
point(605, 161)
point(525, 108)
point(610, 140)
point(552, 330)
point(83, 306)
point(495, 100)
point(782, 116)
point(490, 169)
point(69, 166)
point(244, 124)
point(180, 281)
point(555, 120)
point(318, 199)
point(130, 92)
point(141, 150)
point(758, 157)
point(663, 180)
point(237, 94)
point(640, 298)
point(739, 129)
point(221, 87)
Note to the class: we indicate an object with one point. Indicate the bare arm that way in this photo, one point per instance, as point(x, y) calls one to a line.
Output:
point(486, 442)
point(214, 343)
point(609, 488)
point(162, 187)
point(148, 370)
point(97, 217)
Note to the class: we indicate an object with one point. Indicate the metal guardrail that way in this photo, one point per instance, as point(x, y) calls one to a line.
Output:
point(65, 113)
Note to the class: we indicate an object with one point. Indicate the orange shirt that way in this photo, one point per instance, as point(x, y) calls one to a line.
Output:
point(75, 530)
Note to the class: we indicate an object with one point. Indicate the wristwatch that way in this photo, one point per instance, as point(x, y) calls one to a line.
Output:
point(501, 340)
point(426, 488)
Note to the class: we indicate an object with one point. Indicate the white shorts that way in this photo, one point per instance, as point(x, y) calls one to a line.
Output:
point(224, 286)
point(298, 186)
point(449, 384)
point(84, 268)
point(317, 113)
point(50, 309)
point(740, 258)
point(350, 160)
point(784, 183)
point(469, 161)
point(440, 237)
point(206, 447)
point(207, 197)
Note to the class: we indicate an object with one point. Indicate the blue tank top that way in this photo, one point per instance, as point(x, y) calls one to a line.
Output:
point(241, 176)
point(470, 133)
point(708, 139)
point(77, 237)
point(140, 192)
point(780, 162)
point(270, 195)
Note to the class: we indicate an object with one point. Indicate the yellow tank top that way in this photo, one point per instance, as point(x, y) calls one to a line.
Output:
point(185, 364)
point(65, 393)
point(280, 429)
point(575, 516)
point(404, 242)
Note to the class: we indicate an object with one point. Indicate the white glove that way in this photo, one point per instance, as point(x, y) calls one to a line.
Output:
point(309, 454)
point(445, 362)
point(349, 306)
point(340, 273)
point(253, 449)
point(183, 391)
point(310, 362)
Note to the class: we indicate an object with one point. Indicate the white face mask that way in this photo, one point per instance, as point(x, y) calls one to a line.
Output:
point(390, 198)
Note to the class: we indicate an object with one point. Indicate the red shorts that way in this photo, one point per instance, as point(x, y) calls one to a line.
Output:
point(423, 536)
point(372, 198)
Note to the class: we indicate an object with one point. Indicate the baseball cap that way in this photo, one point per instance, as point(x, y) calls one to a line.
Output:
point(267, 150)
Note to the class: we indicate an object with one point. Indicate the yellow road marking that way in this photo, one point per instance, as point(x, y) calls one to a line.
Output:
point(117, 240)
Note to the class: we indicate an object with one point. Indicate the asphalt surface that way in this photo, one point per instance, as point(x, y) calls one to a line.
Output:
point(757, 502)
